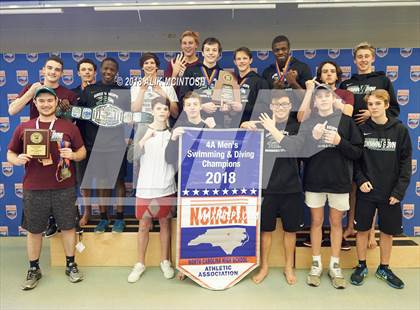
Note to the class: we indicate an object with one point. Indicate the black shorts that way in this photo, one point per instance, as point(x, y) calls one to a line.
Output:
point(38, 205)
point(289, 207)
point(389, 216)
point(99, 169)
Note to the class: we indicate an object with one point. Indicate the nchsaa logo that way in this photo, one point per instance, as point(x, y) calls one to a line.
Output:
point(413, 120)
point(11, 211)
point(392, 73)
point(403, 96)
point(408, 210)
point(7, 168)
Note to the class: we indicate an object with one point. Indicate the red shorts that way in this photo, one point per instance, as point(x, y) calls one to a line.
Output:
point(162, 207)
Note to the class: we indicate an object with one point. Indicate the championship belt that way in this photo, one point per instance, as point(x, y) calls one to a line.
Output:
point(109, 115)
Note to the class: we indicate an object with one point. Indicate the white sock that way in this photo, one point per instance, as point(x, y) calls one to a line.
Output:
point(318, 259)
point(334, 260)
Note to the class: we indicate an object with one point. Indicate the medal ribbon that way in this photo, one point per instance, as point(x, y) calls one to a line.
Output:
point(282, 75)
point(210, 79)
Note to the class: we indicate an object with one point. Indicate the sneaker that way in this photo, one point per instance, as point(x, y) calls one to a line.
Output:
point(118, 226)
point(358, 275)
point(389, 277)
point(345, 245)
point(32, 278)
point(73, 273)
point(336, 277)
point(102, 226)
point(52, 230)
point(314, 276)
point(168, 271)
point(135, 274)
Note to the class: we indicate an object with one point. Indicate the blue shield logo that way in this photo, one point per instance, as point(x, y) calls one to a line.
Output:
point(406, 52)
point(413, 166)
point(415, 73)
point(169, 56)
point(19, 190)
point(11, 212)
point(22, 231)
point(392, 73)
point(135, 74)
point(416, 231)
point(2, 78)
point(22, 77)
point(4, 124)
point(9, 57)
point(408, 211)
point(124, 56)
point(381, 52)
point(418, 188)
point(333, 53)
point(2, 192)
point(58, 54)
point(346, 72)
point(41, 76)
point(11, 98)
point(309, 53)
point(7, 168)
point(77, 56)
point(413, 120)
point(263, 55)
point(4, 231)
point(100, 56)
point(403, 96)
point(32, 57)
point(67, 77)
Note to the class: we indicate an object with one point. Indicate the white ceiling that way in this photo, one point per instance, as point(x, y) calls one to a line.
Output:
point(83, 29)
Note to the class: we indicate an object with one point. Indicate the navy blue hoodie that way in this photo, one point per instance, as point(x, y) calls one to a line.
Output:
point(385, 161)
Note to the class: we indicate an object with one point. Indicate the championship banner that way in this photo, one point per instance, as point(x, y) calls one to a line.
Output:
point(219, 198)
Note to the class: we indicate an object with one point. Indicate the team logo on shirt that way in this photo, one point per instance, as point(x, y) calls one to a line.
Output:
point(58, 54)
point(4, 231)
point(403, 96)
point(263, 55)
point(100, 56)
point(333, 53)
point(381, 52)
point(408, 210)
point(413, 120)
point(346, 72)
point(11, 211)
point(415, 73)
point(169, 56)
point(11, 98)
point(19, 190)
point(413, 166)
point(22, 231)
point(4, 124)
point(32, 57)
point(392, 73)
point(67, 77)
point(22, 77)
point(2, 78)
point(7, 168)
point(406, 52)
point(9, 57)
point(124, 56)
point(77, 56)
point(416, 231)
point(41, 76)
point(309, 53)
point(2, 192)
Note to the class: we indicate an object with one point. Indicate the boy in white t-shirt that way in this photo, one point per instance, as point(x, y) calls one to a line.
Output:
point(156, 183)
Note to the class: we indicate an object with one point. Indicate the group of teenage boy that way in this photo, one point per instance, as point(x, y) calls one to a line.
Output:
point(358, 154)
